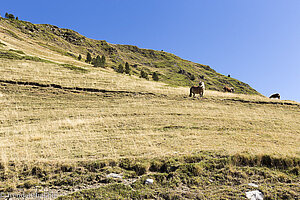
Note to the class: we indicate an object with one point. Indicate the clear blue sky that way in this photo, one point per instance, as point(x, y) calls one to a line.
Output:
point(256, 41)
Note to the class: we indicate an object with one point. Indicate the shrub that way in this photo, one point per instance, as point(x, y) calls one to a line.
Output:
point(29, 184)
point(192, 77)
point(155, 166)
point(79, 57)
point(155, 76)
point(144, 74)
point(140, 168)
point(66, 168)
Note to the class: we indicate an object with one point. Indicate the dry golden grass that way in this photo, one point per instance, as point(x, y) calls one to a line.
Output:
point(47, 124)
point(52, 124)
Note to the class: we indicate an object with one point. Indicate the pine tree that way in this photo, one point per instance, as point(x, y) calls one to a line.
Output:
point(120, 69)
point(88, 58)
point(155, 76)
point(97, 61)
point(9, 16)
point(127, 68)
point(79, 57)
point(102, 61)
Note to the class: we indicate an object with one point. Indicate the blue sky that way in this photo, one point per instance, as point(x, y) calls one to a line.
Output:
point(255, 41)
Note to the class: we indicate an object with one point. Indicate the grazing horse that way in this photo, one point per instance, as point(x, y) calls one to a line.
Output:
point(198, 89)
point(276, 95)
point(228, 89)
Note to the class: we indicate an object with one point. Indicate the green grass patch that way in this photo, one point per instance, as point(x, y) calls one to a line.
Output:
point(75, 68)
point(10, 55)
point(14, 55)
point(36, 59)
point(17, 51)
point(11, 33)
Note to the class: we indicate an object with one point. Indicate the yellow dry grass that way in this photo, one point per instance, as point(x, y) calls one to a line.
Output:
point(47, 124)
point(53, 124)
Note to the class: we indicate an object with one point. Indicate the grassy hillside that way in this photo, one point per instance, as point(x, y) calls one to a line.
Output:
point(171, 69)
point(66, 126)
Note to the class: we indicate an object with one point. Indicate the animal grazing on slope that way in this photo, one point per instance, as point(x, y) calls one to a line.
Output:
point(198, 89)
point(276, 95)
point(228, 89)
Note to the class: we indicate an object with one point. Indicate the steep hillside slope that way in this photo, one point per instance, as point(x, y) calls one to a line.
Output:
point(171, 69)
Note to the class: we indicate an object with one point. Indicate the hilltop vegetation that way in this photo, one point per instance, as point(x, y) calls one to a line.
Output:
point(170, 68)
point(66, 125)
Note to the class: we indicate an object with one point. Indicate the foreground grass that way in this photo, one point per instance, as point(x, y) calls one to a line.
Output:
point(200, 176)
point(203, 175)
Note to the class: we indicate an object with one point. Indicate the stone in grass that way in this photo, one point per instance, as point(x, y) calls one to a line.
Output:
point(252, 185)
point(149, 181)
point(114, 175)
point(255, 195)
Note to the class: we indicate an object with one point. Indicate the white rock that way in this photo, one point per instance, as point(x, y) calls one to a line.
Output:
point(149, 181)
point(113, 175)
point(252, 185)
point(255, 195)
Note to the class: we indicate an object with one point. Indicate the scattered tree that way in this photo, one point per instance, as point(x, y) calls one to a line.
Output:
point(9, 16)
point(135, 65)
point(79, 57)
point(127, 68)
point(102, 61)
point(120, 69)
point(192, 77)
point(88, 58)
point(144, 74)
point(17, 18)
point(97, 61)
point(155, 76)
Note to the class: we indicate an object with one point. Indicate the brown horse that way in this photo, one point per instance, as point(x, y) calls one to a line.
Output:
point(276, 95)
point(197, 90)
point(228, 89)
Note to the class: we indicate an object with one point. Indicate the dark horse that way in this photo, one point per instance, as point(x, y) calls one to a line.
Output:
point(228, 89)
point(197, 90)
point(276, 95)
